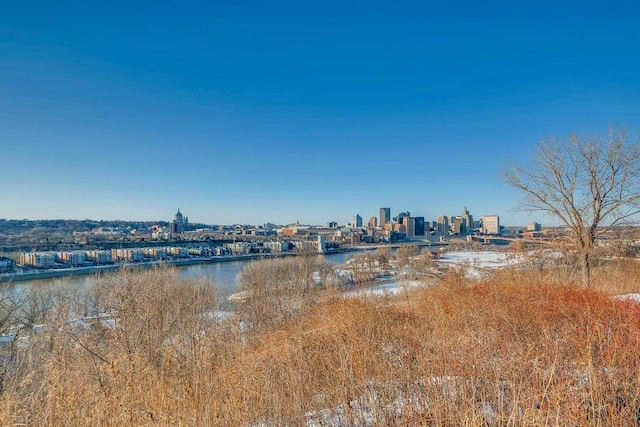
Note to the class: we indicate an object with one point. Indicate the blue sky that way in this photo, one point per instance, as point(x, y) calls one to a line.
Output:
point(280, 111)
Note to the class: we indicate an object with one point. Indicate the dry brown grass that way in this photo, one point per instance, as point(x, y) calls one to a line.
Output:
point(518, 349)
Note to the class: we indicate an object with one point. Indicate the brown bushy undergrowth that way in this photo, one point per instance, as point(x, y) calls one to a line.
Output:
point(514, 350)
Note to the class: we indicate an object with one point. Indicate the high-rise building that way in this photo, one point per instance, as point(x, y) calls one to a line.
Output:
point(373, 222)
point(385, 216)
point(409, 224)
point(490, 224)
point(468, 221)
point(356, 221)
point(442, 227)
point(457, 226)
point(413, 226)
point(401, 215)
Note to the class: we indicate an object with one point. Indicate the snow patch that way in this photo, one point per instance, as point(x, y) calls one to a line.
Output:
point(628, 297)
point(385, 289)
point(474, 262)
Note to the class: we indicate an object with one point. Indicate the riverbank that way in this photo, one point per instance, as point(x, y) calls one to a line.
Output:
point(33, 274)
point(99, 269)
point(29, 275)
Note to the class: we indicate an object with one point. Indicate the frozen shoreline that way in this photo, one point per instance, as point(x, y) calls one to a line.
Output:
point(88, 270)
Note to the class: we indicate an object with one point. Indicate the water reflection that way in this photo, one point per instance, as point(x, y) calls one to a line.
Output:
point(223, 275)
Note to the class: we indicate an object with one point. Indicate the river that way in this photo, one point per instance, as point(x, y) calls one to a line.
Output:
point(222, 274)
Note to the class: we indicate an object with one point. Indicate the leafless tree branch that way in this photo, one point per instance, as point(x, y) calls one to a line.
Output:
point(591, 184)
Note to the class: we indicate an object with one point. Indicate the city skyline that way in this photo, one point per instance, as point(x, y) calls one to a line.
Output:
point(250, 113)
point(179, 221)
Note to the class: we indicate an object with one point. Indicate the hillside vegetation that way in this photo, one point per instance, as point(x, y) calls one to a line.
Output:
point(521, 347)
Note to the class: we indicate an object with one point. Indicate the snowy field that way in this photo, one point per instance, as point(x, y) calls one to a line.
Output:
point(476, 263)
point(385, 289)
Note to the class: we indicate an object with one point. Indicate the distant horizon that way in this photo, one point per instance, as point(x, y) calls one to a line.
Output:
point(283, 111)
point(345, 224)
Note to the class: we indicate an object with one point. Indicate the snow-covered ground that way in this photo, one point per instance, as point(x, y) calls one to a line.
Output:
point(476, 263)
point(628, 297)
point(386, 289)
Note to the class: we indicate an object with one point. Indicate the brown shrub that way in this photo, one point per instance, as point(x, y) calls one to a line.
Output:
point(518, 349)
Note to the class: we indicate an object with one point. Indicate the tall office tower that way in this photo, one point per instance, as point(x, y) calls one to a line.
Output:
point(409, 225)
point(419, 226)
point(356, 221)
point(403, 215)
point(457, 226)
point(443, 225)
point(468, 221)
point(385, 216)
point(373, 222)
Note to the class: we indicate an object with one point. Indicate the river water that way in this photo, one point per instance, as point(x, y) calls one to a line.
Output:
point(222, 274)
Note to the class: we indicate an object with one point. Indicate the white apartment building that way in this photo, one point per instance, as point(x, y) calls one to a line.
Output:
point(490, 224)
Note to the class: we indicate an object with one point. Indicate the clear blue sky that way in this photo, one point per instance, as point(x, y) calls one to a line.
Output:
point(249, 112)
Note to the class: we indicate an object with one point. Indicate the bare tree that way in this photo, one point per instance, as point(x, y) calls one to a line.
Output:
point(405, 253)
point(382, 255)
point(276, 291)
point(589, 183)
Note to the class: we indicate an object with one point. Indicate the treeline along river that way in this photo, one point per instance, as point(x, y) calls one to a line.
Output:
point(222, 274)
